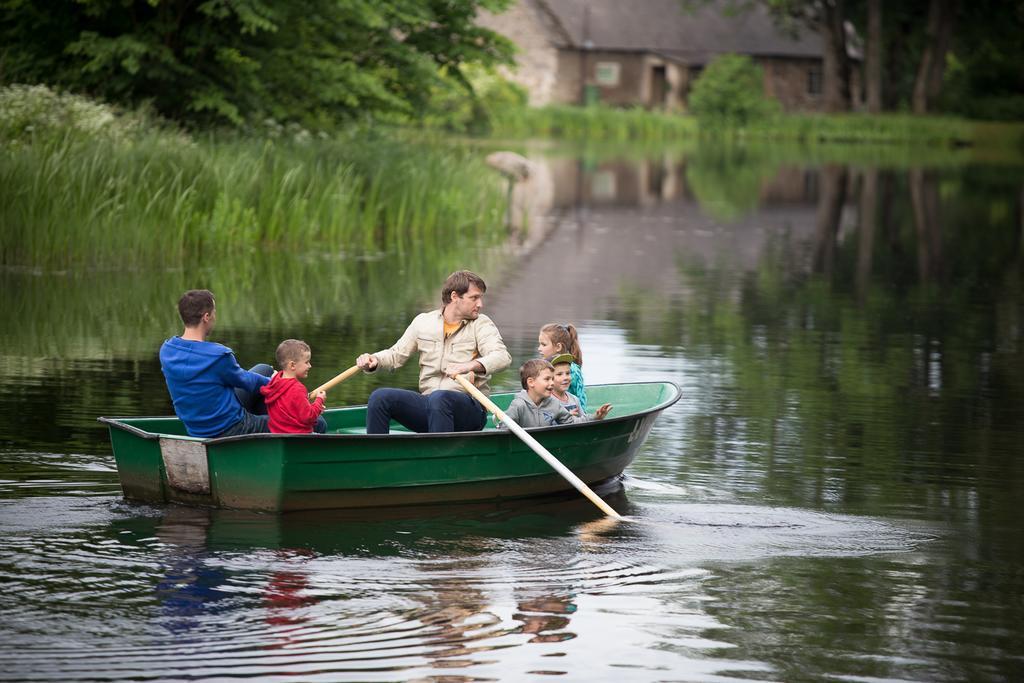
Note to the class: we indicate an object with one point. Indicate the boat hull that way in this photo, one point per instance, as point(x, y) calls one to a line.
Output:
point(157, 463)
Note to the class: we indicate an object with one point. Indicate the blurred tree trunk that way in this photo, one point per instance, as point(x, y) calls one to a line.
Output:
point(924, 201)
point(866, 229)
point(828, 19)
point(873, 58)
point(830, 211)
point(897, 61)
point(932, 67)
point(836, 62)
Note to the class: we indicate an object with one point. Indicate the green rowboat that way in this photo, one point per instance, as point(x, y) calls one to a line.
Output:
point(347, 468)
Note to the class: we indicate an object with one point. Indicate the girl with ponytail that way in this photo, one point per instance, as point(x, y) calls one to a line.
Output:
point(554, 339)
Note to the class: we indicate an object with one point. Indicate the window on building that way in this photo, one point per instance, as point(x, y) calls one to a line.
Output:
point(607, 73)
point(814, 80)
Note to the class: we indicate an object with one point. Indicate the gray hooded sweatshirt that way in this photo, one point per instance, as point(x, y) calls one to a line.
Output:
point(528, 414)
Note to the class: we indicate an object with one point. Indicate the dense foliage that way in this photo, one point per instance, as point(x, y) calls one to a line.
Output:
point(985, 79)
point(731, 92)
point(972, 50)
point(244, 61)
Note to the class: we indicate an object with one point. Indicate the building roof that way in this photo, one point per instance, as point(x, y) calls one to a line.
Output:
point(669, 27)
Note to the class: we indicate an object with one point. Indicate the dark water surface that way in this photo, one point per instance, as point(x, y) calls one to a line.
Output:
point(834, 498)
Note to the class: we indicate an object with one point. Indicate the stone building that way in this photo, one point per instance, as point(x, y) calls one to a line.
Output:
point(649, 52)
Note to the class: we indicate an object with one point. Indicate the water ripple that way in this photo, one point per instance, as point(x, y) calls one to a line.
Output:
point(98, 589)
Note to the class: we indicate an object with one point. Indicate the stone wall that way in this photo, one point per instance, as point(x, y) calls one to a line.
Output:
point(536, 58)
point(787, 80)
point(568, 84)
point(577, 69)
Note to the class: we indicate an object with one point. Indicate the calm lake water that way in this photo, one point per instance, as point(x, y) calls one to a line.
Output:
point(835, 497)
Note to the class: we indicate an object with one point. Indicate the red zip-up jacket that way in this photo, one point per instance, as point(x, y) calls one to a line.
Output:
point(288, 407)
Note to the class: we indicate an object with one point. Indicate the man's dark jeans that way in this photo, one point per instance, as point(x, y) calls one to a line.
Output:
point(254, 410)
point(249, 424)
point(438, 411)
point(258, 424)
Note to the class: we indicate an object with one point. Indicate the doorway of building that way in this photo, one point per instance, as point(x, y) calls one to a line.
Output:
point(659, 87)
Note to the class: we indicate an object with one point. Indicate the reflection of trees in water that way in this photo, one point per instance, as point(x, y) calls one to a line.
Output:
point(868, 220)
point(924, 200)
point(831, 199)
point(727, 181)
point(862, 617)
point(897, 348)
point(99, 315)
point(884, 377)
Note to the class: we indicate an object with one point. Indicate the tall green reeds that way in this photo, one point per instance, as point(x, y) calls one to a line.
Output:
point(161, 198)
point(592, 123)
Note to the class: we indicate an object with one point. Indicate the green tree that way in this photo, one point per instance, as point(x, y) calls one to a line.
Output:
point(731, 91)
point(238, 61)
point(984, 78)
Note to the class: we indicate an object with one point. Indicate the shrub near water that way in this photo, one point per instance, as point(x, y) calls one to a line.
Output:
point(730, 92)
point(73, 196)
point(34, 112)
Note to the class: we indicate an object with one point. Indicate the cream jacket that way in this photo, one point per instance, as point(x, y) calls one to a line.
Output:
point(476, 340)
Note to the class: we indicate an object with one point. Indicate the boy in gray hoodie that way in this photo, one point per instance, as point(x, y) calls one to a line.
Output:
point(534, 406)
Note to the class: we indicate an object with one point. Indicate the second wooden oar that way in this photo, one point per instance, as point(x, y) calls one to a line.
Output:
point(536, 447)
point(338, 379)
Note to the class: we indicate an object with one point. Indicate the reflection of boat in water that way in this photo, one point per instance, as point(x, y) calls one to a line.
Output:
point(458, 530)
point(426, 589)
point(347, 468)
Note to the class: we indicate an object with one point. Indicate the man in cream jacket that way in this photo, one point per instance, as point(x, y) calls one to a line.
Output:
point(452, 340)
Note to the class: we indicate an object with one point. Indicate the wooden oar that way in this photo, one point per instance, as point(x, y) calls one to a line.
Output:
point(338, 379)
point(536, 447)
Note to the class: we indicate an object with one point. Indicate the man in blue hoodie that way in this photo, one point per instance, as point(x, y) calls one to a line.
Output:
point(202, 376)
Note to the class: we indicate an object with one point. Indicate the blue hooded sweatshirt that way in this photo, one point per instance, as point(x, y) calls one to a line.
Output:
point(201, 377)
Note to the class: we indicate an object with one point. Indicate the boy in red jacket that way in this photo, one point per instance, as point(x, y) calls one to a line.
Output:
point(288, 407)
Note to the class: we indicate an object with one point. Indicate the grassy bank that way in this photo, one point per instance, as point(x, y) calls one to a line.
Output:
point(614, 125)
point(886, 129)
point(138, 195)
